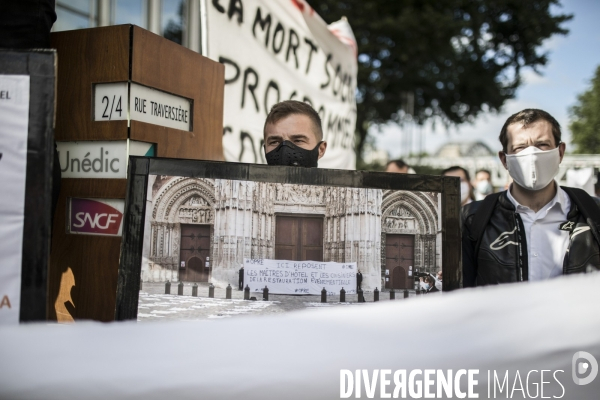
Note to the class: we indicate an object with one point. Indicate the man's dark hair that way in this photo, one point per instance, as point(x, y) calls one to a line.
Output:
point(398, 163)
point(528, 117)
point(290, 107)
point(457, 168)
point(484, 171)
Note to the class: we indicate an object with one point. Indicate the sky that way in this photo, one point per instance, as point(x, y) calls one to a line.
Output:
point(572, 62)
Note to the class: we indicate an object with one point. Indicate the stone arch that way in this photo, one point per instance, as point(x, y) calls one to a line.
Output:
point(412, 213)
point(415, 205)
point(179, 191)
point(178, 201)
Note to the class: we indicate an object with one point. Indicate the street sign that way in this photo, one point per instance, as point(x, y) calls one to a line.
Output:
point(130, 100)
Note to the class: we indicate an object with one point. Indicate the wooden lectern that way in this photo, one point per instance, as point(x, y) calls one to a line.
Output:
point(121, 91)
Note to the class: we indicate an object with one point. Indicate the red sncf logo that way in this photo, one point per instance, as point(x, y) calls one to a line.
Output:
point(92, 216)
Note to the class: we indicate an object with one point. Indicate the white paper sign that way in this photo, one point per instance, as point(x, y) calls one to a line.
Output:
point(14, 123)
point(275, 50)
point(118, 101)
point(299, 277)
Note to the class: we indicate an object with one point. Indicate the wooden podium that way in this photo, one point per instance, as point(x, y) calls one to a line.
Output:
point(121, 91)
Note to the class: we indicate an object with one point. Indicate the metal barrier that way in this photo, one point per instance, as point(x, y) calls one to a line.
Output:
point(361, 297)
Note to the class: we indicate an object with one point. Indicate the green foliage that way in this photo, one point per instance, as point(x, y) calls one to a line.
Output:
point(452, 58)
point(373, 166)
point(585, 119)
point(427, 170)
point(174, 29)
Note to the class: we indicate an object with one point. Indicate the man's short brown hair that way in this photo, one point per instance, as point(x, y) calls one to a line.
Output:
point(290, 107)
point(399, 163)
point(528, 117)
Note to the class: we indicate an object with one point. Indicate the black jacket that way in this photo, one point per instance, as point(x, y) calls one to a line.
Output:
point(500, 261)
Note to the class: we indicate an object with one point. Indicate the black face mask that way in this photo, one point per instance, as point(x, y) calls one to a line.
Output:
point(287, 153)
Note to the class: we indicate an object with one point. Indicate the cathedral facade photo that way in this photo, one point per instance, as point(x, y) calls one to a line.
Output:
point(200, 230)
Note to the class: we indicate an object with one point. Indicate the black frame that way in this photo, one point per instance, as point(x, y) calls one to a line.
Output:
point(40, 65)
point(141, 167)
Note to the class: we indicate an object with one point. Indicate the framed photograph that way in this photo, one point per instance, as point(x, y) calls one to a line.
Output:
point(295, 229)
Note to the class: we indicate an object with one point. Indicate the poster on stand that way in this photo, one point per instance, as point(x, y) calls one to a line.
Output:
point(27, 95)
point(295, 230)
point(14, 114)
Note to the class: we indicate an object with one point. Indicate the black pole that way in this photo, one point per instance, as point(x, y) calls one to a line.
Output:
point(361, 298)
point(323, 296)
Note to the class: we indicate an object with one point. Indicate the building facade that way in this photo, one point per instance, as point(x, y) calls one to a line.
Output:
point(201, 230)
point(176, 20)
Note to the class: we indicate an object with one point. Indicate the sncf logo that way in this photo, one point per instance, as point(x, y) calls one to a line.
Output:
point(96, 216)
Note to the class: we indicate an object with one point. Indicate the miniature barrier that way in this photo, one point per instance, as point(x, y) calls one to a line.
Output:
point(228, 293)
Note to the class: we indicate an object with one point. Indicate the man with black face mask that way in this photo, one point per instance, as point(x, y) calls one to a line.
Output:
point(536, 229)
point(293, 135)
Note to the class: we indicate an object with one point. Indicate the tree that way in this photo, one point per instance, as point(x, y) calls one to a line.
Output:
point(585, 119)
point(443, 59)
point(174, 29)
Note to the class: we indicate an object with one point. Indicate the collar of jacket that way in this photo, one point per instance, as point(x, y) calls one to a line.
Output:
point(505, 203)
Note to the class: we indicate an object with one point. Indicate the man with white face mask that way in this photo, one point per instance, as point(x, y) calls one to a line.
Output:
point(482, 184)
point(535, 230)
point(466, 189)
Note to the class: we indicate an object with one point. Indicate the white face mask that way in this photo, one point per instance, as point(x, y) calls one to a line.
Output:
point(533, 168)
point(484, 187)
point(465, 190)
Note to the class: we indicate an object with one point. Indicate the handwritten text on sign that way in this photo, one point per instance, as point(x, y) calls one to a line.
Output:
point(117, 101)
point(299, 277)
point(275, 50)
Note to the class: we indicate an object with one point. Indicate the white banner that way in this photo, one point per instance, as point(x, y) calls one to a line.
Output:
point(14, 123)
point(275, 50)
point(299, 277)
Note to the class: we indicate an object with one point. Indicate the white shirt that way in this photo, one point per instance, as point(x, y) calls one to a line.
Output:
point(546, 243)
